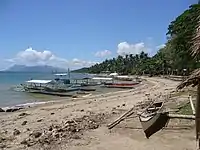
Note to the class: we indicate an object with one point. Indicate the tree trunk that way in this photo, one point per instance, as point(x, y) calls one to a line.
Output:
point(197, 116)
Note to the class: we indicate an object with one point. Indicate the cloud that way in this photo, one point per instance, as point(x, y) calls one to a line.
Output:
point(103, 53)
point(30, 57)
point(160, 46)
point(124, 48)
point(81, 63)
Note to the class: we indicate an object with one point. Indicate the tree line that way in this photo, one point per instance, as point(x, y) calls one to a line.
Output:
point(174, 58)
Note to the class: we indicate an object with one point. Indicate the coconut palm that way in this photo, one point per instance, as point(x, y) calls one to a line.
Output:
point(194, 78)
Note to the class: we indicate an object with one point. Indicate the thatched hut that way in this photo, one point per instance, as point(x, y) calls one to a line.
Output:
point(194, 80)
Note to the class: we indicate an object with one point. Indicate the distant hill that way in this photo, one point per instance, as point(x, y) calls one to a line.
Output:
point(43, 69)
point(82, 70)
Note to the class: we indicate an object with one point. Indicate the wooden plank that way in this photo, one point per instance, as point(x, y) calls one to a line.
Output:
point(192, 105)
point(122, 117)
point(178, 116)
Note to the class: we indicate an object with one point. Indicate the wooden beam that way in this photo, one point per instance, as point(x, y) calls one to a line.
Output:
point(121, 118)
point(181, 116)
point(192, 105)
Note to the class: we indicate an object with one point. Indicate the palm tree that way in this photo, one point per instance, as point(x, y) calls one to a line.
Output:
point(194, 78)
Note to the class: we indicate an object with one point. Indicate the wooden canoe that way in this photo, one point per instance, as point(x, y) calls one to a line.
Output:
point(153, 119)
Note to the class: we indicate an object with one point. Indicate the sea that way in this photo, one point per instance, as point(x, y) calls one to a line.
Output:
point(10, 97)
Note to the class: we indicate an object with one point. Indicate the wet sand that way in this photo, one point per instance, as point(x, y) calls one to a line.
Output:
point(80, 124)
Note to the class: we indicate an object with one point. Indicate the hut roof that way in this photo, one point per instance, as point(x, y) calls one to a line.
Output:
point(192, 80)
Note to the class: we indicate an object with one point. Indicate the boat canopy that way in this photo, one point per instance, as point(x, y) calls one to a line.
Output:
point(39, 81)
point(99, 78)
point(61, 74)
point(123, 77)
point(114, 74)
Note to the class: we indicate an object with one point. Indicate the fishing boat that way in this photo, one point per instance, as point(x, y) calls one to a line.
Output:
point(47, 87)
point(153, 119)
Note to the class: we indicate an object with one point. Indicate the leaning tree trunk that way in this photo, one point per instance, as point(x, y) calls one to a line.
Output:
point(197, 118)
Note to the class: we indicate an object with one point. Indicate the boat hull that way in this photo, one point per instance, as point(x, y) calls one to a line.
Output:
point(120, 85)
point(153, 119)
point(155, 124)
point(51, 93)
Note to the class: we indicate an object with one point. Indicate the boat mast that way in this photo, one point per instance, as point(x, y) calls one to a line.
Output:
point(68, 72)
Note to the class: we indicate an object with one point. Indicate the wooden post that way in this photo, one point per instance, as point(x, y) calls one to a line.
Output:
point(197, 116)
point(192, 105)
point(181, 116)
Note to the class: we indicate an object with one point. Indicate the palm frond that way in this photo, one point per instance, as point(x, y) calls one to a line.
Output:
point(195, 48)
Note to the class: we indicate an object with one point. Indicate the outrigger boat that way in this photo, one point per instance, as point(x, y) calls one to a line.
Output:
point(153, 119)
point(47, 87)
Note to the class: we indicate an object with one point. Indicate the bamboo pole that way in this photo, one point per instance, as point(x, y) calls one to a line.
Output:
point(197, 115)
point(122, 117)
point(192, 105)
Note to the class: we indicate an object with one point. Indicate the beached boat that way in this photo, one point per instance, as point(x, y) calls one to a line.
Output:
point(45, 87)
point(87, 89)
point(153, 119)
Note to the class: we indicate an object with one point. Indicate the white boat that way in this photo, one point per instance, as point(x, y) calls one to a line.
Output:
point(46, 87)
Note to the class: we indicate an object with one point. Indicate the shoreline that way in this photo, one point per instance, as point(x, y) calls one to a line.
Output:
point(78, 123)
point(61, 99)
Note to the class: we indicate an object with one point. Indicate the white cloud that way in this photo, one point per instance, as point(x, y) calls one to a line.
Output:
point(80, 63)
point(126, 48)
point(160, 46)
point(103, 53)
point(32, 57)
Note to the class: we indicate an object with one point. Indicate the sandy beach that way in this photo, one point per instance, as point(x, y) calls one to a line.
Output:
point(81, 123)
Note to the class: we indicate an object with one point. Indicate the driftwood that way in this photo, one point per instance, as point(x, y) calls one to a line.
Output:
point(121, 118)
point(181, 116)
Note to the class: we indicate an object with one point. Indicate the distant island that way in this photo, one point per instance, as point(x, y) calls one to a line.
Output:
point(42, 69)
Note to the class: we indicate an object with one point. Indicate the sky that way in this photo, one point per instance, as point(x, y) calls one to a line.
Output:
point(80, 33)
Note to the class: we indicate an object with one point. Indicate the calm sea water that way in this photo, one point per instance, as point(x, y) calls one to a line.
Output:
point(10, 97)
point(8, 80)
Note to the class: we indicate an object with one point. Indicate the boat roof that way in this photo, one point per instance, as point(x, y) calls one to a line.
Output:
point(100, 78)
point(61, 74)
point(123, 76)
point(113, 74)
point(39, 81)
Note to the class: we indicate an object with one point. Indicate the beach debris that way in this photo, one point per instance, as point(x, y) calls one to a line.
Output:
point(76, 137)
point(123, 104)
point(36, 134)
point(23, 114)
point(70, 129)
point(82, 110)
point(16, 132)
point(2, 146)
point(1, 110)
point(52, 113)
point(24, 123)
point(39, 120)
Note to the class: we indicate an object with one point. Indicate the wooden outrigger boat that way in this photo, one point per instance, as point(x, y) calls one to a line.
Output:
point(153, 119)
